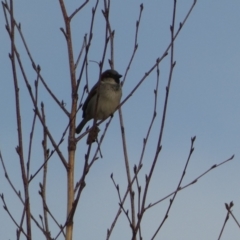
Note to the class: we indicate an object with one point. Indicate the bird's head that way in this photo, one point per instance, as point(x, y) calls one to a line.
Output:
point(111, 74)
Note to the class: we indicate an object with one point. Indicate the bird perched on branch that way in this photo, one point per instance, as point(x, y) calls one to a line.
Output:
point(106, 93)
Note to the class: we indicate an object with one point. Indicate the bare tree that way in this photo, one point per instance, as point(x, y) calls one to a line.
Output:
point(134, 192)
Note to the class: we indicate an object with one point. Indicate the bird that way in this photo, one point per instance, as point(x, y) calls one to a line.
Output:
point(106, 93)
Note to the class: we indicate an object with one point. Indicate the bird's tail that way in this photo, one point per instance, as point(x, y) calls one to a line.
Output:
point(81, 125)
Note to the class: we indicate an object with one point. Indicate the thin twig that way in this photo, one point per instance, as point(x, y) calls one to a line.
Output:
point(135, 44)
point(158, 60)
point(88, 44)
point(20, 229)
point(36, 68)
point(81, 51)
point(46, 208)
point(179, 184)
point(44, 181)
point(190, 183)
point(33, 127)
point(224, 224)
point(18, 193)
point(145, 140)
point(78, 9)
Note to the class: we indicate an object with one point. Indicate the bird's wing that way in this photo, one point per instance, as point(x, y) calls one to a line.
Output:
point(90, 95)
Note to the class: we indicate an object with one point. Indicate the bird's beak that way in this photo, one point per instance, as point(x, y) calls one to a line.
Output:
point(119, 75)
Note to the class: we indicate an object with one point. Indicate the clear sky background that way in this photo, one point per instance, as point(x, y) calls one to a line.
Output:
point(204, 101)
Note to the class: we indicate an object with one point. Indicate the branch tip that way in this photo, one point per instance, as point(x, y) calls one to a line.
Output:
point(135, 169)
point(180, 25)
point(38, 68)
point(146, 177)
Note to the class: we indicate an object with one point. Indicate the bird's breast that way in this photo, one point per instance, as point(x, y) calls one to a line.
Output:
point(109, 98)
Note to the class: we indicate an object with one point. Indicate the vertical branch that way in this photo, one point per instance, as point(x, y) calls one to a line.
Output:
point(172, 65)
point(33, 126)
point(19, 148)
point(109, 30)
point(132, 193)
point(145, 140)
point(71, 139)
point(44, 182)
point(135, 43)
point(139, 196)
point(124, 141)
point(158, 148)
point(72, 204)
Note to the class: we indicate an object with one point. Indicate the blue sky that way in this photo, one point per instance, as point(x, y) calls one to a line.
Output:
point(204, 101)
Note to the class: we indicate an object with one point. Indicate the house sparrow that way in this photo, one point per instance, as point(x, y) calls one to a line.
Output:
point(107, 94)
